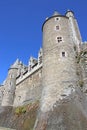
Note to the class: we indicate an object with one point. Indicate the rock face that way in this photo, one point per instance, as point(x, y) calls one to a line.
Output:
point(20, 118)
point(70, 113)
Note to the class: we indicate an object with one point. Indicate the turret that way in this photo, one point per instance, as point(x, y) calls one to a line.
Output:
point(70, 13)
point(75, 33)
point(10, 85)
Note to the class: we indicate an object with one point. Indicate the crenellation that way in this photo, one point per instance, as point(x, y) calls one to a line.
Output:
point(28, 74)
point(28, 89)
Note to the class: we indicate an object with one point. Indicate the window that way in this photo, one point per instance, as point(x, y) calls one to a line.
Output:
point(59, 39)
point(63, 54)
point(57, 27)
point(56, 18)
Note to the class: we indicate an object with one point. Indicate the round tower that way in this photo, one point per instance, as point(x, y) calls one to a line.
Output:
point(10, 85)
point(59, 65)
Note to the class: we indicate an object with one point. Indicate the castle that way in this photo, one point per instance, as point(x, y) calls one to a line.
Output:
point(61, 64)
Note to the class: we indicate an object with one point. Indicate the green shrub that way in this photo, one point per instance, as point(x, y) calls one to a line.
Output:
point(17, 111)
point(23, 110)
point(20, 110)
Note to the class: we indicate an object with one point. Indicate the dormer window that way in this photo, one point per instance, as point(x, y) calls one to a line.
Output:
point(59, 39)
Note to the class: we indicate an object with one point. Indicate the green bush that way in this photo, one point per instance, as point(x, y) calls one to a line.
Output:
point(23, 110)
point(17, 111)
point(20, 110)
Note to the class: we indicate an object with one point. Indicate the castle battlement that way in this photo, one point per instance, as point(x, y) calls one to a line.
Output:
point(28, 74)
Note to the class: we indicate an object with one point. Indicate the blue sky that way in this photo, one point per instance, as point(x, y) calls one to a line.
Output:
point(20, 27)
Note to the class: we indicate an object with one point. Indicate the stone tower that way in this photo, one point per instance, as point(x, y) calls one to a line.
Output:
point(59, 63)
point(10, 85)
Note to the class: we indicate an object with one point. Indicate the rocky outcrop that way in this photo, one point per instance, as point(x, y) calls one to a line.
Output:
point(70, 113)
point(20, 118)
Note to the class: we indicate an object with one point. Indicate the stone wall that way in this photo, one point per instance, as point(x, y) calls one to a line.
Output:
point(83, 66)
point(29, 89)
